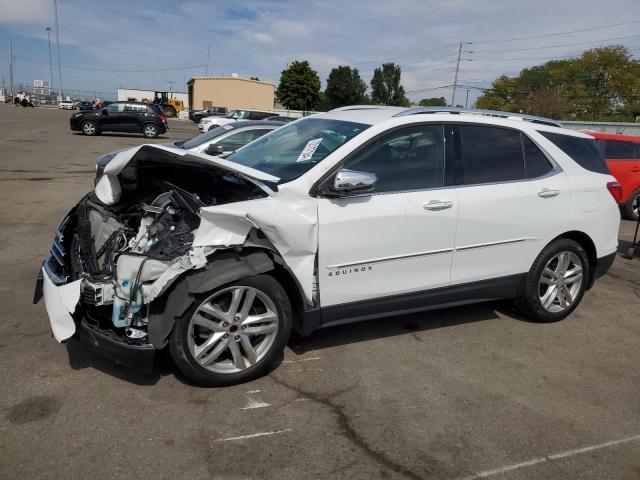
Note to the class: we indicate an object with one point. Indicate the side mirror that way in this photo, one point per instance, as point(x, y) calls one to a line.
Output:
point(105, 111)
point(348, 182)
point(214, 150)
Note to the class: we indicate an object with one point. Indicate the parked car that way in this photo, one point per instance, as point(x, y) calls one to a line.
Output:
point(197, 115)
point(219, 141)
point(233, 116)
point(131, 117)
point(66, 105)
point(84, 105)
point(358, 213)
point(622, 154)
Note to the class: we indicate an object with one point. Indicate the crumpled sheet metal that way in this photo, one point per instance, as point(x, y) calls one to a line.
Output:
point(289, 223)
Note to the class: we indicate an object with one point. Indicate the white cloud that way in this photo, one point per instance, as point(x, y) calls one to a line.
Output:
point(26, 11)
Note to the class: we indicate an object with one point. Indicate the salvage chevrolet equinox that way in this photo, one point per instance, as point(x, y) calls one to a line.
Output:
point(355, 214)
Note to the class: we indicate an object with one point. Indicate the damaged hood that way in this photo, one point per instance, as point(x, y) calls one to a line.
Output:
point(108, 187)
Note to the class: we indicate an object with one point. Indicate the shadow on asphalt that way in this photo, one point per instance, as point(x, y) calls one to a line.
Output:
point(402, 325)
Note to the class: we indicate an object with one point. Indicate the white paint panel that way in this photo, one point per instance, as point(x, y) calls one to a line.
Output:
point(60, 301)
point(509, 223)
point(393, 240)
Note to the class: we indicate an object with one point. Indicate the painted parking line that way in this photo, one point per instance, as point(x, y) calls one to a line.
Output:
point(555, 456)
point(253, 435)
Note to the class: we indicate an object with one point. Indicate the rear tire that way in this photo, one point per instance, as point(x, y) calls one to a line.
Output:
point(169, 111)
point(250, 337)
point(89, 128)
point(631, 208)
point(149, 130)
point(556, 282)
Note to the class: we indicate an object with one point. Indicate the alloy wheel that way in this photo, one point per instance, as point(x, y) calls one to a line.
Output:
point(560, 282)
point(150, 131)
point(635, 206)
point(233, 329)
point(89, 128)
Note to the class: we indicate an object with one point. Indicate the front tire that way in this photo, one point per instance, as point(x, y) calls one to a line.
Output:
point(631, 208)
point(90, 128)
point(556, 282)
point(234, 333)
point(150, 130)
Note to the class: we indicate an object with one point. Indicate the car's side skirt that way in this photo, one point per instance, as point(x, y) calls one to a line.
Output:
point(454, 295)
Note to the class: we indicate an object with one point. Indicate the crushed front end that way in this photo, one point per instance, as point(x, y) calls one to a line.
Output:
point(108, 263)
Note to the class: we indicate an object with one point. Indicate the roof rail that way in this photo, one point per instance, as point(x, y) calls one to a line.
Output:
point(360, 107)
point(486, 113)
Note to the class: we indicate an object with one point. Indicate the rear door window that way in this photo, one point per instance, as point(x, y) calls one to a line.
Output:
point(583, 151)
point(537, 164)
point(490, 154)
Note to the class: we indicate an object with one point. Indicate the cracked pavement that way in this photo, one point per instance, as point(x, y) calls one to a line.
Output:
point(445, 394)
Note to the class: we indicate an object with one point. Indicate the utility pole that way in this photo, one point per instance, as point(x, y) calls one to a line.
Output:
point(466, 102)
point(48, 29)
point(11, 69)
point(455, 78)
point(55, 6)
point(206, 70)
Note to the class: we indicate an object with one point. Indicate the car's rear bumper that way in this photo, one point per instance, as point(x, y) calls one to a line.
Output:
point(602, 267)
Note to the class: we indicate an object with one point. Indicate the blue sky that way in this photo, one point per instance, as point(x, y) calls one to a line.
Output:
point(106, 44)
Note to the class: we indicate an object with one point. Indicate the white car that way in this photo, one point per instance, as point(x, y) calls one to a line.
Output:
point(208, 123)
point(358, 213)
point(66, 105)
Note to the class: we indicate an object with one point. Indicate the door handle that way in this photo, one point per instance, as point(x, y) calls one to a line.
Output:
point(437, 204)
point(548, 193)
point(635, 169)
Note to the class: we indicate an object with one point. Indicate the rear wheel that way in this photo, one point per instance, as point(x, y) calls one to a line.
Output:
point(169, 110)
point(150, 130)
point(631, 208)
point(556, 282)
point(89, 128)
point(234, 333)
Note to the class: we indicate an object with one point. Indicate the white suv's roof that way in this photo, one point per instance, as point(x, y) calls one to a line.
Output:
point(373, 114)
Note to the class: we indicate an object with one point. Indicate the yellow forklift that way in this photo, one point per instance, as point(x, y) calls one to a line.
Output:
point(171, 106)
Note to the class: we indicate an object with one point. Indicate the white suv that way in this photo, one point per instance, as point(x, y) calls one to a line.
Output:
point(359, 213)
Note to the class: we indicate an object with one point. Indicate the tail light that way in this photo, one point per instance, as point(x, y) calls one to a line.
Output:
point(615, 189)
point(162, 117)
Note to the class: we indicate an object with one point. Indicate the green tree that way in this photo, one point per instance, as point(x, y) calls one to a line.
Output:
point(433, 102)
point(345, 87)
point(299, 87)
point(602, 83)
point(386, 88)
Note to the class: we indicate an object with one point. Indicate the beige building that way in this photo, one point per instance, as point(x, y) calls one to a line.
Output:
point(230, 92)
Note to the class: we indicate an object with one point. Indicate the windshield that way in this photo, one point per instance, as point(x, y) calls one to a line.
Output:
point(200, 139)
point(292, 150)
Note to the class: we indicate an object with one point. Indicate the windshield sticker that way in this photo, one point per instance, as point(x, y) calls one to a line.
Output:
point(309, 150)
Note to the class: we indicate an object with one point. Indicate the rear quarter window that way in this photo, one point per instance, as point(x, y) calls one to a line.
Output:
point(583, 151)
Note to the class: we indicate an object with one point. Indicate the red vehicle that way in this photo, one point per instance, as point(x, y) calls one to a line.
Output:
point(622, 154)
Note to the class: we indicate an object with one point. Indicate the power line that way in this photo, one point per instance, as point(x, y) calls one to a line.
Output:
point(604, 40)
point(406, 55)
point(589, 29)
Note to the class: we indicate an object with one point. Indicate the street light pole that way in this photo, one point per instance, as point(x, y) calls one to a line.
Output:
point(48, 29)
point(55, 6)
point(466, 102)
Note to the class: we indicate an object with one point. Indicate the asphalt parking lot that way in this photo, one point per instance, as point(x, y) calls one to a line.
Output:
point(470, 392)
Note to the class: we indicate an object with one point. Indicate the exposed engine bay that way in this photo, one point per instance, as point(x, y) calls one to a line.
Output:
point(128, 253)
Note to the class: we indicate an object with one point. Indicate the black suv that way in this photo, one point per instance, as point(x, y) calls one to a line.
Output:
point(132, 117)
point(197, 115)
